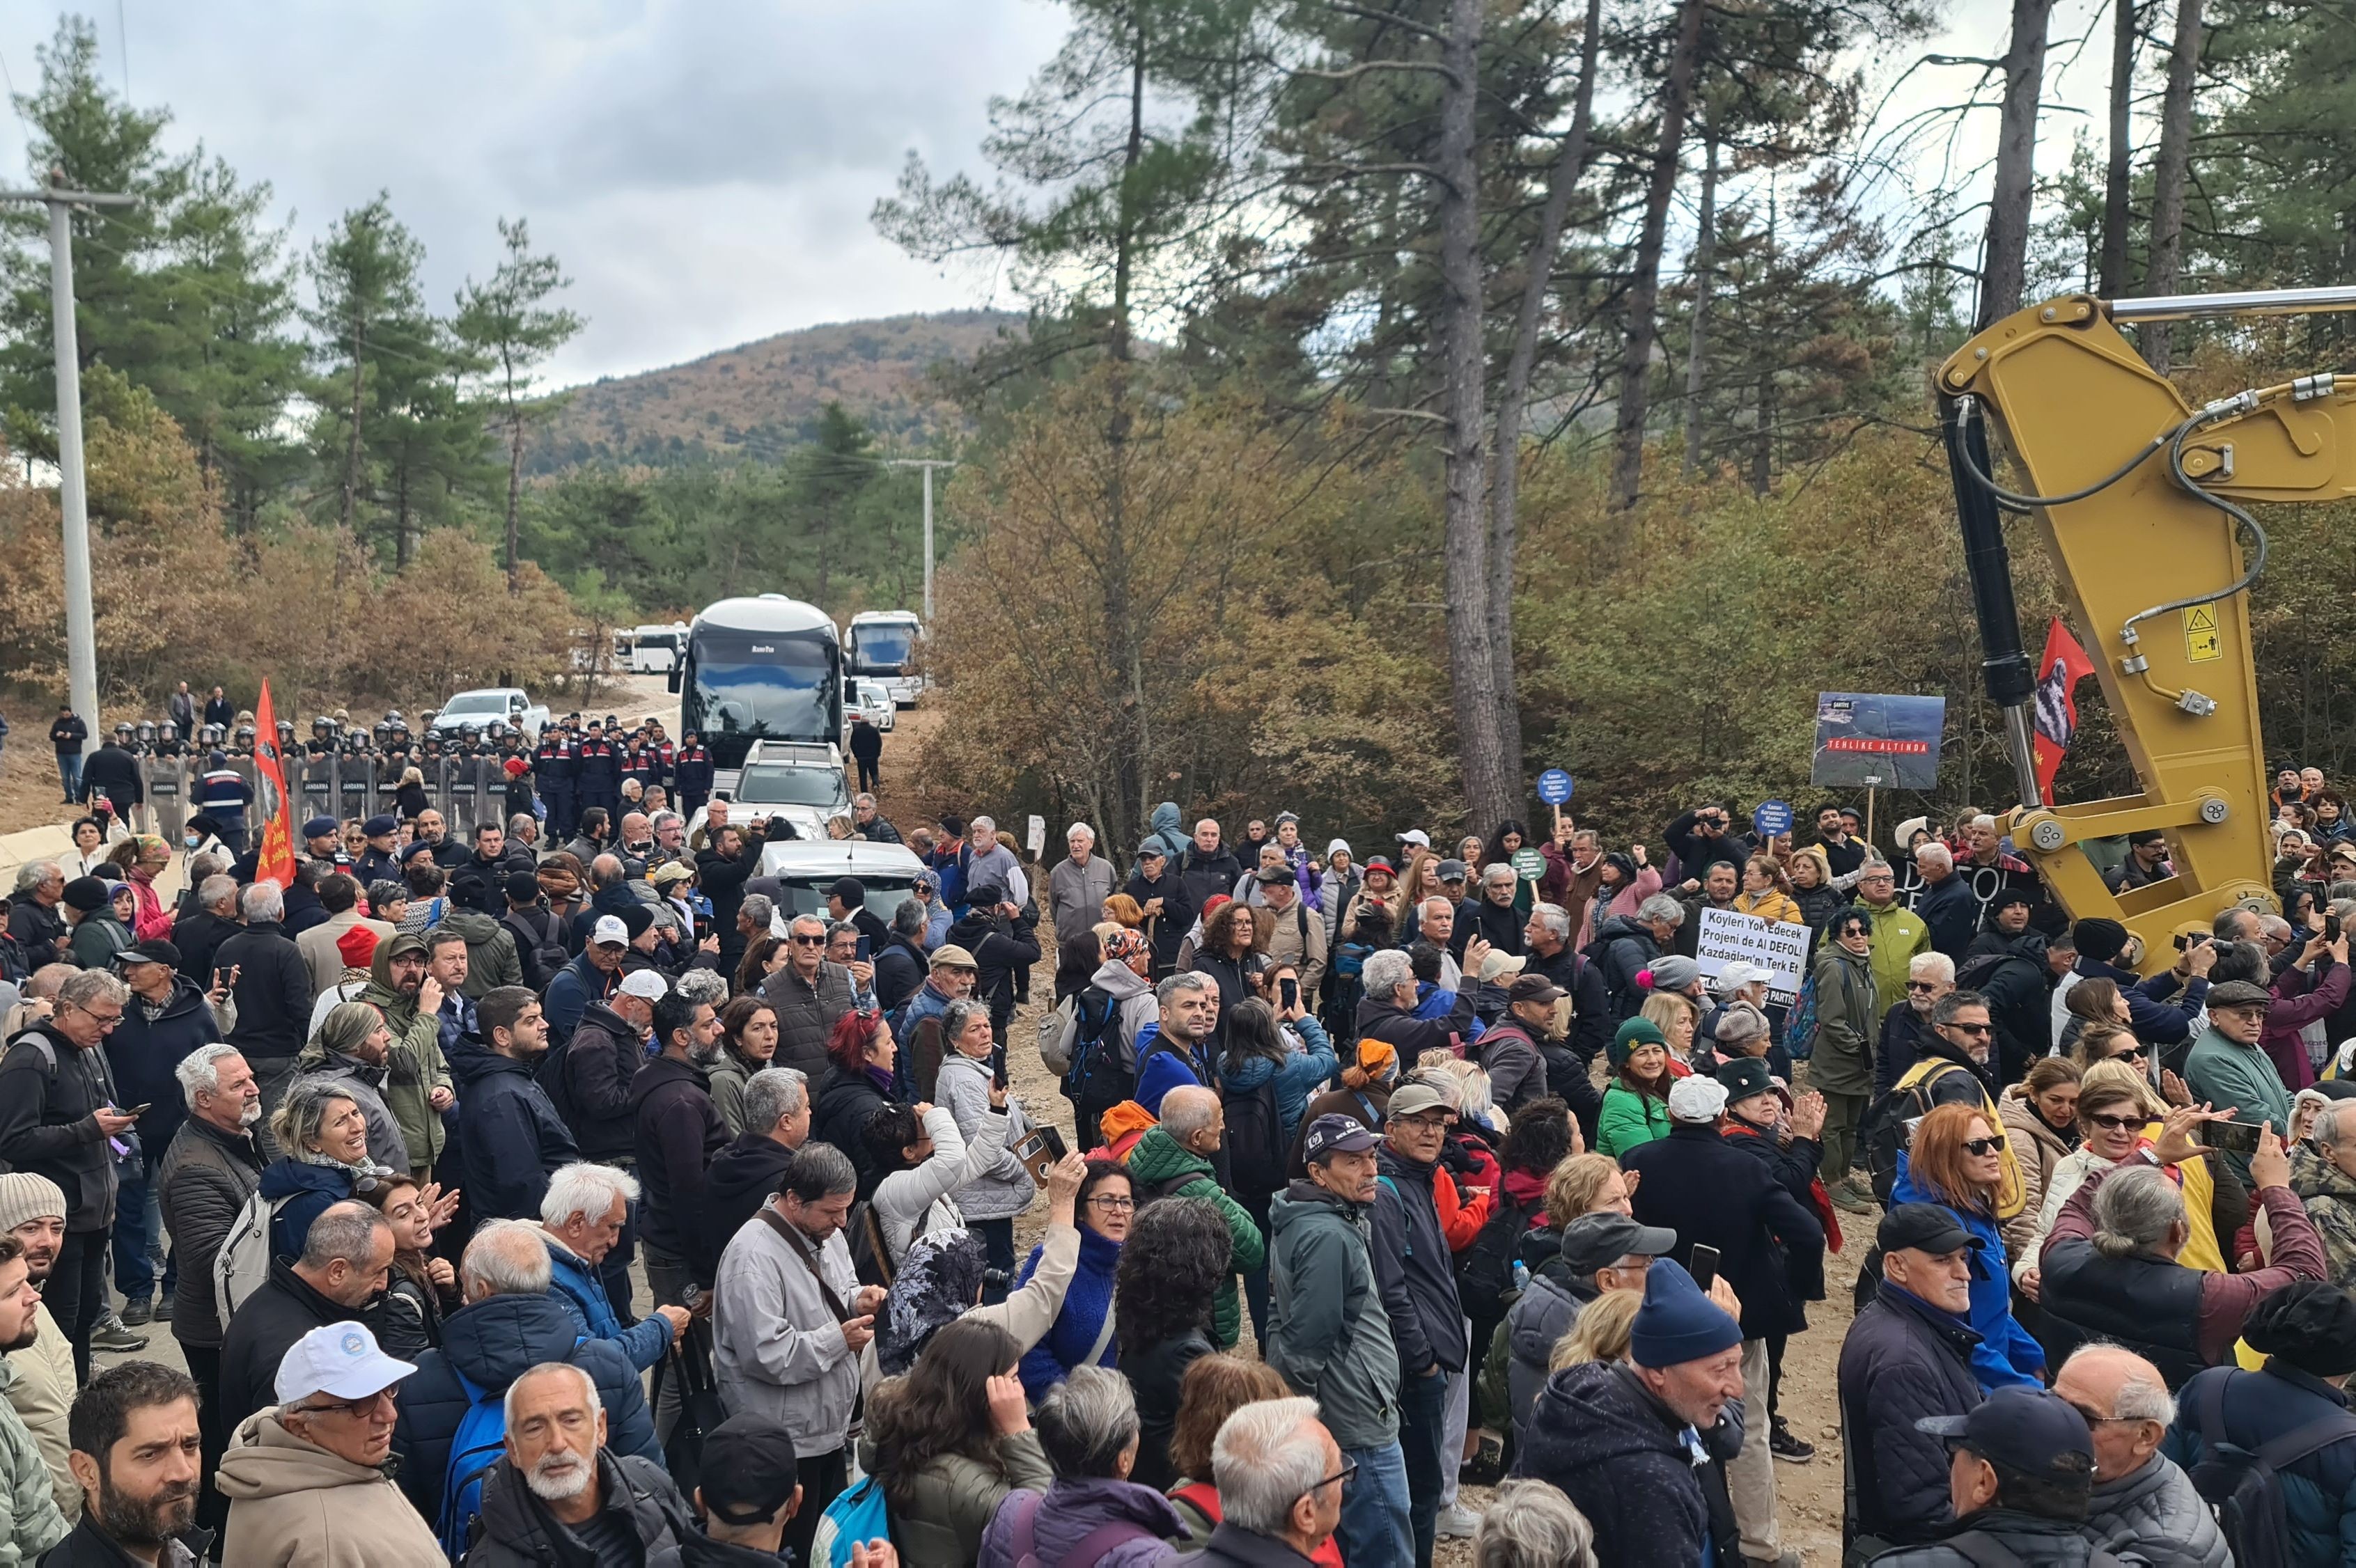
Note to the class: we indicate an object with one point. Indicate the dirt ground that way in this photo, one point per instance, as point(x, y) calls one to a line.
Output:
point(1809, 1495)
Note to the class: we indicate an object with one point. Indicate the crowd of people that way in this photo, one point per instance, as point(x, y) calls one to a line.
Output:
point(1369, 1180)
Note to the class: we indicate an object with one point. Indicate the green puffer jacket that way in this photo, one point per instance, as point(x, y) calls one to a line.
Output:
point(939, 1513)
point(29, 1522)
point(1629, 1120)
point(1159, 1162)
point(416, 1068)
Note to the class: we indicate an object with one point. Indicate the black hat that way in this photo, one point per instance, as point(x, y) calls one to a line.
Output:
point(153, 951)
point(1333, 1133)
point(86, 894)
point(1276, 876)
point(1744, 1077)
point(1527, 987)
point(749, 1469)
point(2008, 896)
point(2309, 1324)
point(2148, 835)
point(985, 895)
point(636, 919)
point(523, 887)
point(850, 889)
point(2032, 1430)
point(2239, 994)
point(2100, 940)
point(413, 848)
point(1597, 1241)
point(379, 828)
point(1923, 1228)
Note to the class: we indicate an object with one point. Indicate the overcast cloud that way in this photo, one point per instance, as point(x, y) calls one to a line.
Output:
point(704, 168)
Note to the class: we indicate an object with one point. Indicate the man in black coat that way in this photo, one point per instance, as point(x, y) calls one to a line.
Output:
point(1704, 838)
point(1907, 1356)
point(510, 1139)
point(1417, 1277)
point(169, 1016)
point(1547, 942)
point(1206, 868)
point(112, 771)
point(199, 933)
point(480, 881)
point(346, 1257)
point(1945, 904)
point(1770, 1251)
point(1387, 1011)
point(676, 1131)
point(272, 992)
point(901, 963)
point(746, 1173)
point(1624, 947)
point(2021, 1477)
point(721, 868)
point(1001, 941)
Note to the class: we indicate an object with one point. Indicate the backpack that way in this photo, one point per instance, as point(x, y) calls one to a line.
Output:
point(1069, 1037)
point(1087, 1553)
point(1346, 987)
point(1258, 1151)
point(1800, 1023)
point(242, 1264)
point(1484, 1270)
point(543, 947)
point(1888, 1127)
point(871, 1258)
point(853, 1518)
point(2244, 1487)
point(474, 1448)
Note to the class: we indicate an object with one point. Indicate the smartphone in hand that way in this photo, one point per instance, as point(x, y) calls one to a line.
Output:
point(1705, 1266)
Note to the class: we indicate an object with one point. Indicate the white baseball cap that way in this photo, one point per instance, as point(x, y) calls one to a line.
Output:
point(645, 984)
point(609, 931)
point(340, 1359)
point(1416, 837)
point(1737, 974)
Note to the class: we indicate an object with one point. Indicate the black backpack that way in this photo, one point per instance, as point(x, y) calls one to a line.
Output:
point(541, 951)
point(1095, 1076)
point(1258, 1151)
point(1485, 1273)
point(2244, 1487)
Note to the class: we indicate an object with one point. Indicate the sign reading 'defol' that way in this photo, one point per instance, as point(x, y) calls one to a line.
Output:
point(1779, 946)
point(1892, 743)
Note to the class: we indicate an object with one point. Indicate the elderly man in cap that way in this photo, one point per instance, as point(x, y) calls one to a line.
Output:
point(1596, 1253)
point(590, 978)
point(1330, 1332)
point(1513, 1051)
point(167, 1017)
point(2145, 1507)
point(1635, 1444)
point(2021, 1472)
point(1417, 1277)
point(1769, 1249)
point(1296, 933)
point(2229, 1071)
point(1158, 894)
point(950, 976)
point(1907, 1355)
point(40, 1382)
point(306, 1478)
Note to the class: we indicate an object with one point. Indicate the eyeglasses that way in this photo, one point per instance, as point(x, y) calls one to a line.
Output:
point(2114, 1123)
point(1346, 1475)
point(1970, 1028)
point(362, 1408)
point(103, 1020)
point(799, 940)
point(1979, 1148)
point(1116, 1204)
point(1925, 986)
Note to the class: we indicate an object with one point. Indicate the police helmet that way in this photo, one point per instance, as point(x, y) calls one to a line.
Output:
point(146, 731)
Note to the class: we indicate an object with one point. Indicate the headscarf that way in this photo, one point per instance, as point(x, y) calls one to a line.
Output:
point(347, 1025)
point(1378, 1059)
point(938, 1281)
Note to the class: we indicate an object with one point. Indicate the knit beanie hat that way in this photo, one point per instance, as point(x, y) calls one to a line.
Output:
point(1636, 1031)
point(1677, 1323)
point(357, 947)
point(1673, 973)
point(87, 894)
point(2100, 940)
point(1378, 1059)
point(27, 1195)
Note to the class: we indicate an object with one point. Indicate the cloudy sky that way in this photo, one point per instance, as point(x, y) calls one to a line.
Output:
point(704, 167)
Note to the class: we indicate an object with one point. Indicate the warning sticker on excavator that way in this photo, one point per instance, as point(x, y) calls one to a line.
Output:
point(2200, 639)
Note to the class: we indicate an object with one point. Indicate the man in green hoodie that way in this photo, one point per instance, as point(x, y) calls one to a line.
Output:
point(416, 1075)
point(1174, 1160)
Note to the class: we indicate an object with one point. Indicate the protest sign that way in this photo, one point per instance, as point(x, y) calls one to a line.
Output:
point(1554, 786)
point(1779, 946)
point(1892, 743)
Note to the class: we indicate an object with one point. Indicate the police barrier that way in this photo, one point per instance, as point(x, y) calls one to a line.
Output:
point(318, 789)
point(165, 781)
point(356, 786)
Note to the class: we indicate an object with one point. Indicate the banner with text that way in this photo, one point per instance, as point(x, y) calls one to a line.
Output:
point(1885, 740)
point(1779, 946)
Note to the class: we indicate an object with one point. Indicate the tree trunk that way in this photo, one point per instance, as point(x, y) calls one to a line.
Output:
point(1513, 398)
point(2169, 172)
point(1705, 257)
point(2005, 264)
point(1489, 789)
point(1131, 764)
point(1762, 455)
point(2120, 172)
point(352, 443)
point(1645, 288)
point(515, 492)
point(404, 549)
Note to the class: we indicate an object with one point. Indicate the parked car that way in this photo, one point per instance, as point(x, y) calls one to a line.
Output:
point(470, 711)
point(800, 781)
point(805, 869)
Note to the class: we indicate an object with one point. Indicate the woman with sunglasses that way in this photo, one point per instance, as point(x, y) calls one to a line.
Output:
point(1956, 1161)
point(2119, 1118)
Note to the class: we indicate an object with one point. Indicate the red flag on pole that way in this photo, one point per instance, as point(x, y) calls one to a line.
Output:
point(276, 863)
point(2064, 665)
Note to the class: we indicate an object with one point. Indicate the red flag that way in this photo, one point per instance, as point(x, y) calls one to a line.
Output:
point(277, 857)
point(2064, 665)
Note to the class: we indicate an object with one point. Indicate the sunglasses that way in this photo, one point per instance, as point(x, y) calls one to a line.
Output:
point(1923, 985)
point(1979, 1148)
point(800, 941)
point(1971, 1029)
point(2135, 1053)
point(2115, 1124)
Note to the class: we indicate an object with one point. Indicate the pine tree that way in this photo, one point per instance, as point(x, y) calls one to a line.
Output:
point(509, 325)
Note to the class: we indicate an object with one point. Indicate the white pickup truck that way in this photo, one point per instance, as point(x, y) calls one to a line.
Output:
point(470, 711)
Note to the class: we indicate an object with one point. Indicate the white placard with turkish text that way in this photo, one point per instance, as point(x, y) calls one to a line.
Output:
point(1726, 937)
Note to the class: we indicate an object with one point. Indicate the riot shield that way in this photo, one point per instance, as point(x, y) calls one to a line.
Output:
point(166, 779)
point(356, 786)
point(466, 776)
point(437, 771)
point(316, 788)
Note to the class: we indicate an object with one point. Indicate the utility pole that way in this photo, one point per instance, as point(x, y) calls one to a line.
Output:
point(927, 464)
point(81, 635)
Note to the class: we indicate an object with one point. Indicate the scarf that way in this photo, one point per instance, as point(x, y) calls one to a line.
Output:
point(1087, 1305)
point(1819, 1201)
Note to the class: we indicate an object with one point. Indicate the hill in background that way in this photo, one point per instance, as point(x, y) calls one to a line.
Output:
point(759, 400)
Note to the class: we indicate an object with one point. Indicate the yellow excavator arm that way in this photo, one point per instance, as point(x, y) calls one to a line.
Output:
point(2138, 495)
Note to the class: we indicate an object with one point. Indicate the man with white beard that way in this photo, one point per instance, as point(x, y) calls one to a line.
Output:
point(559, 1494)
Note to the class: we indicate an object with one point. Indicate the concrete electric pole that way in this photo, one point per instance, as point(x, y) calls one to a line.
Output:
point(81, 635)
point(927, 464)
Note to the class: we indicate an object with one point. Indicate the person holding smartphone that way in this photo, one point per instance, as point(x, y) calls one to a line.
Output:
point(2227, 1070)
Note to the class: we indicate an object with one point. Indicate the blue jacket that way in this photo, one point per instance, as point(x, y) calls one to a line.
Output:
point(574, 987)
point(582, 1291)
point(510, 1139)
point(1296, 1079)
point(2008, 1355)
point(310, 1190)
point(495, 1341)
point(1067, 1344)
point(1432, 1002)
point(2319, 1491)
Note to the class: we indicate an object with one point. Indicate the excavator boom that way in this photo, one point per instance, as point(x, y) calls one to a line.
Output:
point(2138, 497)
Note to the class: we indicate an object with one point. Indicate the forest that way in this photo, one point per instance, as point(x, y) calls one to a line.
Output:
point(1413, 394)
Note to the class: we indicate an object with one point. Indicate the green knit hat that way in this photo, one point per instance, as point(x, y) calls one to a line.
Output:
point(1636, 1031)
